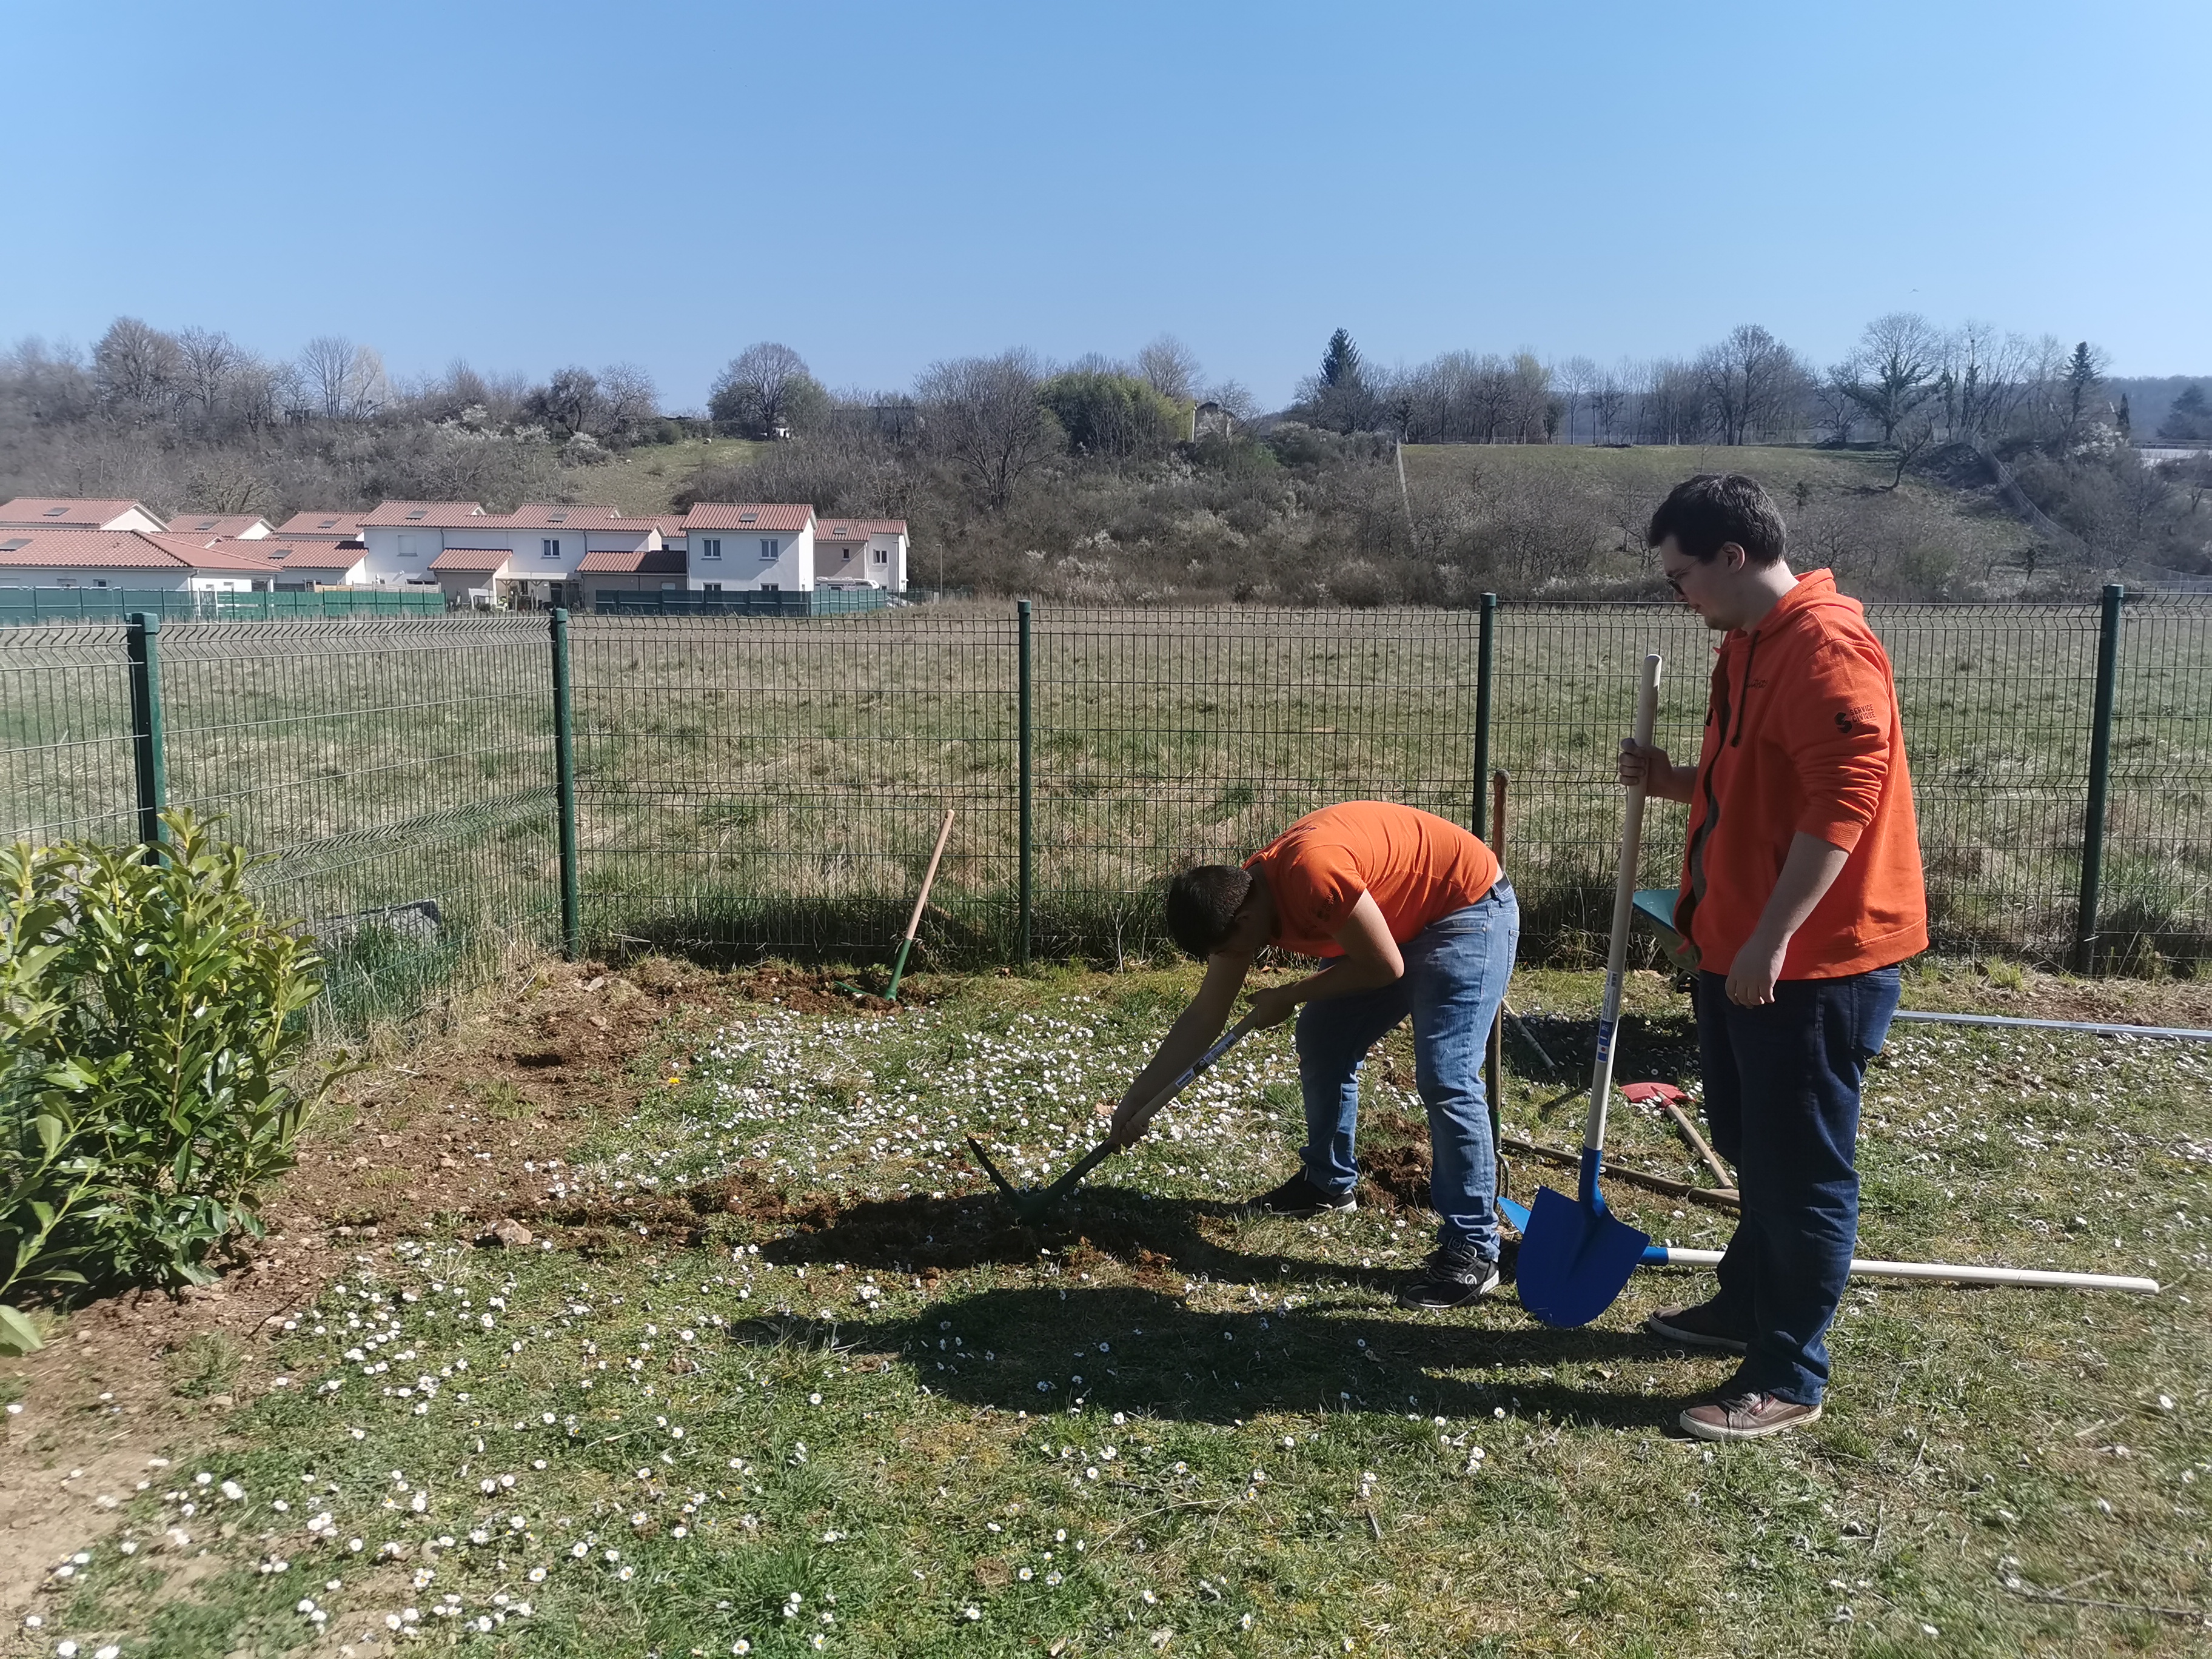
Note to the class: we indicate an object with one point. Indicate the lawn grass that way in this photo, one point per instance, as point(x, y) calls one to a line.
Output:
point(788, 1378)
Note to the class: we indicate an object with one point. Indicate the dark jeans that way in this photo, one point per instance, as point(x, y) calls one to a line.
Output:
point(1782, 1096)
point(1455, 972)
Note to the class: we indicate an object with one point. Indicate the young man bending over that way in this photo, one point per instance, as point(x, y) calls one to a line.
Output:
point(1801, 894)
point(1411, 916)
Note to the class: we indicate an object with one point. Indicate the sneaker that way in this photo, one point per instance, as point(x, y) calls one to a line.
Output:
point(1299, 1197)
point(1700, 1327)
point(1747, 1417)
point(1449, 1278)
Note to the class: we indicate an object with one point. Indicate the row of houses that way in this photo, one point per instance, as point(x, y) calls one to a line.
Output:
point(537, 557)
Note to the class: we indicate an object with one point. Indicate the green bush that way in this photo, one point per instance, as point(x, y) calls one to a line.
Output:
point(148, 1092)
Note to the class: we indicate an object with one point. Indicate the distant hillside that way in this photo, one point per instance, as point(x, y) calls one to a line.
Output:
point(1941, 531)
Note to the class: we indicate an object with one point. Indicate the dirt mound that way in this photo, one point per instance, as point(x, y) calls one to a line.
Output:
point(1397, 1178)
point(819, 991)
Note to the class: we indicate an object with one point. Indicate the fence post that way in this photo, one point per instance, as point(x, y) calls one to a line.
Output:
point(1485, 661)
point(1027, 896)
point(2101, 773)
point(141, 643)
point(565, 784)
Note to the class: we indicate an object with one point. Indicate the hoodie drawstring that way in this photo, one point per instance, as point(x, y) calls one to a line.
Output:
point(1750, 655)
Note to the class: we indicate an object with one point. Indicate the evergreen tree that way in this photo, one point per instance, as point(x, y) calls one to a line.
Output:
point(2190, 418)
point(2085, 373)
point(1340, 364)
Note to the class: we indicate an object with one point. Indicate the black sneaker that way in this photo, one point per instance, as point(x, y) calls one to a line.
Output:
point(1700, 1327)
point(1300, 1198)
point(1450, 1279)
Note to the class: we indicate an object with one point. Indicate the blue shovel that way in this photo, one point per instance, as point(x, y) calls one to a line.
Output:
point(1575, 1254)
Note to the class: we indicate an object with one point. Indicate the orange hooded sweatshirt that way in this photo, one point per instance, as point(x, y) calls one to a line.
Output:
point(1802, 733)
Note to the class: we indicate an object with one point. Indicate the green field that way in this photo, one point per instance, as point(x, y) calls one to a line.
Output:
point(645, 479)
point(784, 1380)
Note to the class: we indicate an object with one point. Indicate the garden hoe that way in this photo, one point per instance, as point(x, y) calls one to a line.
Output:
point(1031, 1205)
point(1575, 1254)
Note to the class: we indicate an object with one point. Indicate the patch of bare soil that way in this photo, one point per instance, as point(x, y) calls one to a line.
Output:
point(433, 1133)
point(2177, 1002)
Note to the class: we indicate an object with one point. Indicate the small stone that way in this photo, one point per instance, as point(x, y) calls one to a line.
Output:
point(507, 1232)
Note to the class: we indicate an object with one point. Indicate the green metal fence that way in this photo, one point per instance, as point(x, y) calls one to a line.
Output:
point(38, 605)
point(435, 793)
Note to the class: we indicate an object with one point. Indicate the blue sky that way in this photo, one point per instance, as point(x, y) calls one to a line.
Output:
point(882, 185)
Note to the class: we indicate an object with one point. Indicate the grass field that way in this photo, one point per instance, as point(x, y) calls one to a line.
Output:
point(782, 1379)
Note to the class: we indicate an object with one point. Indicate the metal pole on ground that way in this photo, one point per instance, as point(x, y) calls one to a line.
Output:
point(1485, 661)
point(141, 643)
point(1027, 918)
point(564, 785)
point(2100, 772)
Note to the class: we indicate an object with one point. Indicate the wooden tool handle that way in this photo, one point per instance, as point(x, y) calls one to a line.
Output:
point(1624, 907)
point(929, 880)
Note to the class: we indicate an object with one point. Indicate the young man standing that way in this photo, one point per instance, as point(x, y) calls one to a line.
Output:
point(1411, 916)
point(1801, 894)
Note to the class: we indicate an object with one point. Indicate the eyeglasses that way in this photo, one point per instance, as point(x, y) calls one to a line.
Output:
point(1675, 581)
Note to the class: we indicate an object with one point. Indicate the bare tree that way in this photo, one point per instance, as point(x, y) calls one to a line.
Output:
point(1892, 372)
point(1170, 369)
point(136, 366)
point(983, 413)
point(1833, 402)
point(1576, 379)
point(207, 361)
point(1607, 395)
point(628, 400)
point(755, 390)
point(367, 390)
point(1748, 379)
point(1234, 396)
point(325, 364)
point(569, 402)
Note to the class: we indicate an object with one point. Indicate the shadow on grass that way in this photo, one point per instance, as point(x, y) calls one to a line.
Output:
point(1039, 1348)
point(1130, 1348)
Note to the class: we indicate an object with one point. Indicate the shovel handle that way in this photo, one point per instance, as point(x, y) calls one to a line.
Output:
point(1624, 906)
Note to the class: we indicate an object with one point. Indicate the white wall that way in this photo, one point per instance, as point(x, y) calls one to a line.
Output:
point(92, 576)
point(741, 567)
point(891, 575)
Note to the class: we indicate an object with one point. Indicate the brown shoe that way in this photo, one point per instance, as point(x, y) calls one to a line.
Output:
point(1747, 1417)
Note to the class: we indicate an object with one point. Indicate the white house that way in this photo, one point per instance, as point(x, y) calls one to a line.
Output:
point(530, 558)
point(860, 553)
point(738, 547)
point(56, 512)
point(141, 559)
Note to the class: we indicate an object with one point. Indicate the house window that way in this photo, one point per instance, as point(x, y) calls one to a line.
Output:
point(407, 546)
point(711, 548)
point(710, 587)
point(882, 555)
point(550, 547)
point(770, 547)
point(770, 587)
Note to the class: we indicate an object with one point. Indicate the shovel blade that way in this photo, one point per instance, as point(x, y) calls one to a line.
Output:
point(1574, 1258)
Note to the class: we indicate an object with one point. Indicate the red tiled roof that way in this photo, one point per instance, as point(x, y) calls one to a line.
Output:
point(428, 515)
point(305, 555)
point(643, 562)
point(321, 525)
point(748, 515)
point(475, 560)
point(84, 549)
point(856, 529)
point(62, 513)
point(215, 524)
point(222, 555)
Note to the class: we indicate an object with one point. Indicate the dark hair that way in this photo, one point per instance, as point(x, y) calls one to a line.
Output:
point(1705, 513)
point(1202, 905)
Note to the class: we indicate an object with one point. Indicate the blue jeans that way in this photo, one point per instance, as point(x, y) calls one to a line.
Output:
point(1782, 1096)
point(1455, 972)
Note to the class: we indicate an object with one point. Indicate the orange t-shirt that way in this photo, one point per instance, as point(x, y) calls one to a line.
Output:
point(1418, 867)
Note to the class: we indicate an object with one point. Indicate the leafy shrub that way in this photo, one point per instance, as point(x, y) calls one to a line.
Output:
point(149, 1008)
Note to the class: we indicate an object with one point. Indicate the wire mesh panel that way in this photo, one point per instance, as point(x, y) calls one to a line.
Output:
point(2157, 900)
point(1997, 701)
point(65, 753)
point(1564, 695)
point(1168, 738)
point(400, 773)
point(767, 783)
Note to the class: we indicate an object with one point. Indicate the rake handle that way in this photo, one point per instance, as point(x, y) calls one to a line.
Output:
point(1616, 966)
